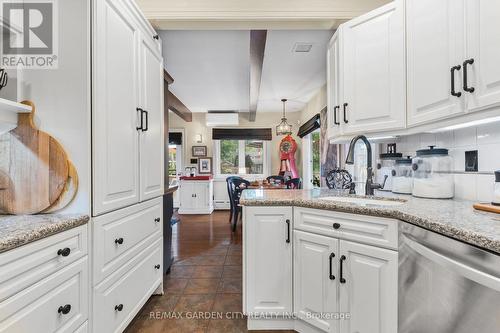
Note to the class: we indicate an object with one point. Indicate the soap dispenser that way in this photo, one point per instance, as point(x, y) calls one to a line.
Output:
point(496, 193)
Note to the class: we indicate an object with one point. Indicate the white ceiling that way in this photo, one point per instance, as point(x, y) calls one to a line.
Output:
point(211, 68)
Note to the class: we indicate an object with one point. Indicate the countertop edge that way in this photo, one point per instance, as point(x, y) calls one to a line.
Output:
point(22, 238)
point(459, 234)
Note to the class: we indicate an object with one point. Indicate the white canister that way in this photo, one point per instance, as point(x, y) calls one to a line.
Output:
point(496, 192)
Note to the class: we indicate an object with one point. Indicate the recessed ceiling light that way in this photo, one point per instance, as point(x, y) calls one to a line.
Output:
point(301, 47)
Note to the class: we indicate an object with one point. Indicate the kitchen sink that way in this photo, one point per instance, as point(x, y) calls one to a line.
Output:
point(365, 201)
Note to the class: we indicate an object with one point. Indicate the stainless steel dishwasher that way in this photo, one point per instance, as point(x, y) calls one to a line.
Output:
point(446, 286)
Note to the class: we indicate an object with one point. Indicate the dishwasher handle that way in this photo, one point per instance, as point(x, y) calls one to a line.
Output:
point(461, 268)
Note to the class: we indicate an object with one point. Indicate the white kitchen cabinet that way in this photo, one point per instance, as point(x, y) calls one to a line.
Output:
point(196, 196)
point(435, 44)
point(334, 84)
point(483, 46)
point(151, 148)
point(115, 137)
point(373, 71)
point(267, 257)
point(315, 279)
point(368, 288)
point(127, 90)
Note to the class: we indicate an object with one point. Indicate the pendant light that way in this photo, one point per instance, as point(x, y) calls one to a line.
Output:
point(283, 128)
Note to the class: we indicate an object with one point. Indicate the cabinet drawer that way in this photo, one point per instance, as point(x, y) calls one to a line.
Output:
point(129, 288)
point(120, 235)
point(28, 264)
point(37, 308)
point(372, 230)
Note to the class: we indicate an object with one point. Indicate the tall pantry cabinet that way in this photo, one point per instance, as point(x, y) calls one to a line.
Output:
point(127, 163)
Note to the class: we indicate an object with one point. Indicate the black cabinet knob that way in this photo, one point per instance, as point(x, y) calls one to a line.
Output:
point(156, 37)
point(336, 225)
point(64, 309)
point(119, 307)
point(157, 266)
point(157, 220)
point(64, 252)
point(119, 241)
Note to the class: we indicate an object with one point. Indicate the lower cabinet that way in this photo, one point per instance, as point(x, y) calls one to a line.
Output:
point(196, 197)
point(267, 260)
point(340, 284)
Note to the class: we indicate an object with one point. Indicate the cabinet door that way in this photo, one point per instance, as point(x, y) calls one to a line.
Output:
point(374, 71)
point(369, 293)
point(268, 259)
point(115, 137)
point(151, 139)
point(186, 191)
point(334, 84)
point(435, 44)
point(483, 45)
point(315, 279)
point(201, 195)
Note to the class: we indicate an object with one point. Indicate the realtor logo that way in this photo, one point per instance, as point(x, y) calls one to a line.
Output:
point(29, 31)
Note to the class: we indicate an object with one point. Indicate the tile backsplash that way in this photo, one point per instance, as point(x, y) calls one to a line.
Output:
point(485, 139)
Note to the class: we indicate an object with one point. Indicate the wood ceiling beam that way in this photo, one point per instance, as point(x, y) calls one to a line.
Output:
point(177, 107)
point(257, 49)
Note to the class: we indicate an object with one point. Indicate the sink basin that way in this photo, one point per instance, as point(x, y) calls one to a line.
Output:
point(365, 201)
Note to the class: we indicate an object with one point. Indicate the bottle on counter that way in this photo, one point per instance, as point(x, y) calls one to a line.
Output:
point(402, 181)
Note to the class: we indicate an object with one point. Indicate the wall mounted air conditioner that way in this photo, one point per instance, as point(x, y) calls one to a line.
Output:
point(222, 118)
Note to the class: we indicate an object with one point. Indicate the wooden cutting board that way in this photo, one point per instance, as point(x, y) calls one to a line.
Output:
point(68, 193)
point(487, 207)
point(33, 168)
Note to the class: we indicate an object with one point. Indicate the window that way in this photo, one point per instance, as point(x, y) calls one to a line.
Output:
point(241, 157)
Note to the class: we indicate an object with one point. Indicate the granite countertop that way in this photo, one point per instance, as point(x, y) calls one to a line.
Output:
point(454, 218)
point(171, 189)
point(18, 230)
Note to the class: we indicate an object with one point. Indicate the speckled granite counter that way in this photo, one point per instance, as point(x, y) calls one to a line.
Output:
point(453, 218)
point(18, 230)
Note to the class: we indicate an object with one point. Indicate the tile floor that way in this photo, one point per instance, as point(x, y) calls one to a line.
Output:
point(205, 279)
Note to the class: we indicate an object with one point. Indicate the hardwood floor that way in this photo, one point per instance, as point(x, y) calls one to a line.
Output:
point(203, 290)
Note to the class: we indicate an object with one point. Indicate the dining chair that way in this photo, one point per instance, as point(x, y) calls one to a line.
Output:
point(231, 208)
point(273, 179)
point(234, 197)
point(294, 183)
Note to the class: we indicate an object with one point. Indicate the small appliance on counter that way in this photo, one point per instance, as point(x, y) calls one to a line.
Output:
point(190, 171)
point(432, 177)
point(402, 176)
point(496, 192)
point(385, 166)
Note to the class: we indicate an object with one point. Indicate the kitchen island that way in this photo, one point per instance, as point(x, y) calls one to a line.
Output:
point(322, 261)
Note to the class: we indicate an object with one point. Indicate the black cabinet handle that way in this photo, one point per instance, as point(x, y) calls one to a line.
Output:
point(64, 309)
point(336, 226)
point(119, 307)
point(156, 37)
point(335, 110)
point(64, 252)
point(332, 255)
point(119, 241)
point(157, 220)
point(466, 86)
point(288, 230)
point(144, 129)
point(453, 92)
point(140, 115)
point(342, 259)
point(345, 113)
point(157, 266)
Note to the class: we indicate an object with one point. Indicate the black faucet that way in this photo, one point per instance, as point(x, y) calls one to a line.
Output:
point(370, 185)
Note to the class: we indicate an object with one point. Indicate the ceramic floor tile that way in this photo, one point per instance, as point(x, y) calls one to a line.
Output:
point(230, 286)
point(201, 286)
point(207, 272)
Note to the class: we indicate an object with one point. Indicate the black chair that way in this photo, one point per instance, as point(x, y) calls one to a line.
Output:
point(228, 183)
point(294, 183)
point(273, 179)
point(234, 197)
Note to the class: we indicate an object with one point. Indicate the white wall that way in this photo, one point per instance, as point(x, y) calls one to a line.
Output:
point(485, 139)
point(62, 96)
point(263, 120)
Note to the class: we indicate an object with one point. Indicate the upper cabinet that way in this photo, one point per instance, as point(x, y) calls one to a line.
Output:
point(127, 109)
point(373, 85)
point(435, 51)
point(366, 73)
point(411, 64)
point(483, 50)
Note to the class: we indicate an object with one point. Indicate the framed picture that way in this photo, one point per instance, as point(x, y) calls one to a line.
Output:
point(199, 151)
point(205, 165)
